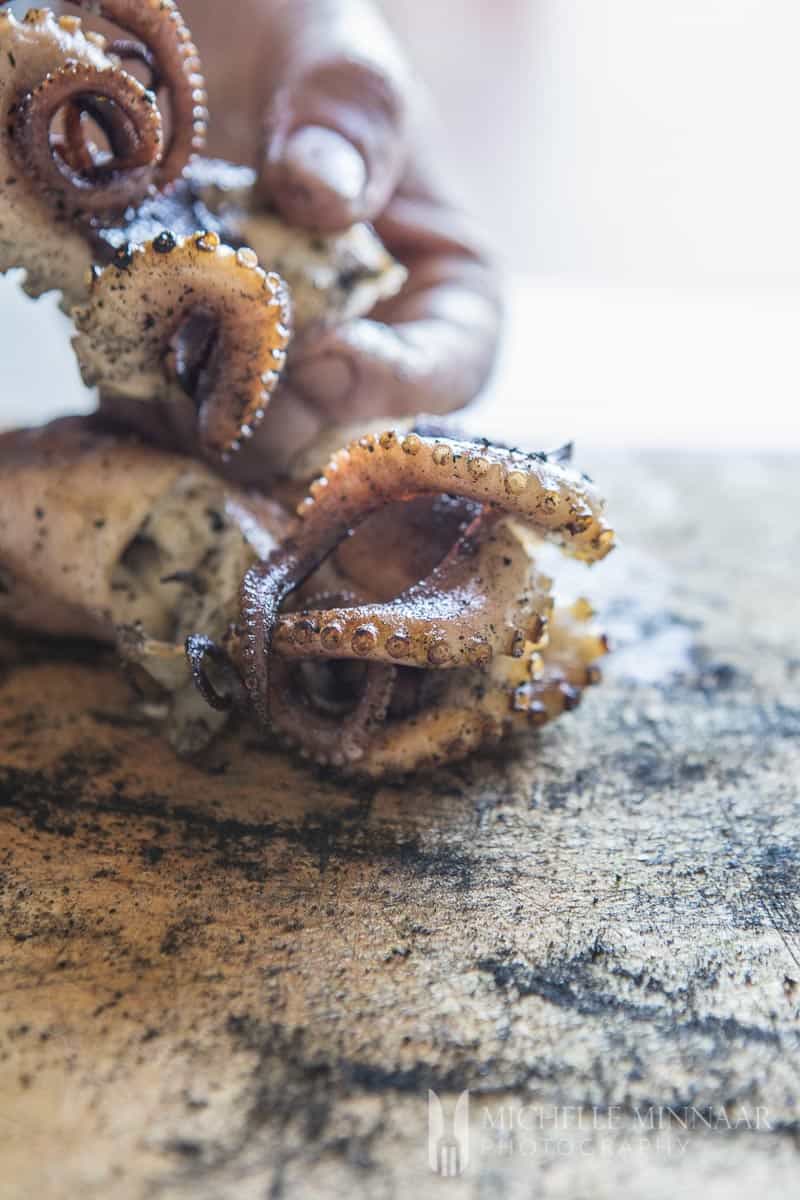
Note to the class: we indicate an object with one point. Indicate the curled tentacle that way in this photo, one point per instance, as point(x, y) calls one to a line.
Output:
point(163, 41)
point(127, 50)
point(47, 64)
point(125, 111)
point(191, 326)
point(330, 711)
point(375, 471)
point(482, 600)
point(475, 710)
point(341, 735)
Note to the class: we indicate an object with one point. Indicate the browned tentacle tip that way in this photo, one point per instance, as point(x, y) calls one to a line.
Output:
point(200, 650)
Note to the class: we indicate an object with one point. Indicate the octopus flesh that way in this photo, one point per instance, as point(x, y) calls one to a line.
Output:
point(103, 536)
point(378, 603)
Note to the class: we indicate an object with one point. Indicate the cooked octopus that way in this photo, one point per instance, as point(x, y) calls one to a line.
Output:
point(379, 606)
point(102, 536)
point(65, 204)
point(191, 325)
point(332, 277)
point(44, 63)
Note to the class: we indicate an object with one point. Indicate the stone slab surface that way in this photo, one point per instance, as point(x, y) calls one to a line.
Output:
point(239, 980)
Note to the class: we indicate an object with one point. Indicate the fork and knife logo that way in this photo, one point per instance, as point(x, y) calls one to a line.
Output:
point(448, 1143)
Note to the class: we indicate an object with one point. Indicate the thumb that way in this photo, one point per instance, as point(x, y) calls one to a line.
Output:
point(337, 115)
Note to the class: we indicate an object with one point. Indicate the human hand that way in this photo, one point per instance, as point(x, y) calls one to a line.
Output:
point(316, 95)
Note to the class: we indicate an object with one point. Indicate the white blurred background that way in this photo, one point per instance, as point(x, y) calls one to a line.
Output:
point(636, 162)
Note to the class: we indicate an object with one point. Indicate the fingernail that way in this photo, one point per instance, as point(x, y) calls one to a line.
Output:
point(314, 155)
point(327, 380)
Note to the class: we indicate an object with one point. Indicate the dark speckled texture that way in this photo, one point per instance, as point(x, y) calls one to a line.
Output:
point(240, 979)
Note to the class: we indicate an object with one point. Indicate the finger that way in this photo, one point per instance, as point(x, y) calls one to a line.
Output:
point(338, 113)
point(373, 370)
point(429, 348)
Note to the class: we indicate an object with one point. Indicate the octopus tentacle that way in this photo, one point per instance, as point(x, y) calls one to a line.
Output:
point(46, 63)
point(126, 111)
point(127, 50)
point(341, 737)
point(158, 27)
point(483, 599)
point(331, 711)
point(375, 471)
point(191, 325)
point(475, 711)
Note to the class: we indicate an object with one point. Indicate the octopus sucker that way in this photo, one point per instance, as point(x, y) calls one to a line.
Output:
point(192, 326)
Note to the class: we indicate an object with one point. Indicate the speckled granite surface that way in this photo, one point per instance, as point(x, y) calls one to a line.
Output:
point(241, 980)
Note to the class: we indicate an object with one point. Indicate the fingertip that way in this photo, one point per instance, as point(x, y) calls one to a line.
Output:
point(317, 178)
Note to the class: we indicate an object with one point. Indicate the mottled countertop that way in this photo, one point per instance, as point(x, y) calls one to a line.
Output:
point(241, 980)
